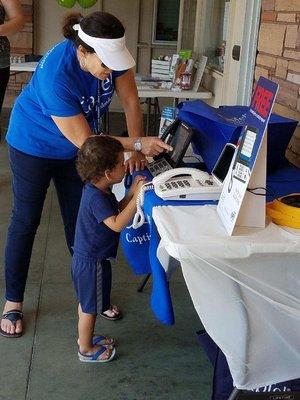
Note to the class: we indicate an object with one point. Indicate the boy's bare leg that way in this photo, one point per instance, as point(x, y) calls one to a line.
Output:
point(86, 326)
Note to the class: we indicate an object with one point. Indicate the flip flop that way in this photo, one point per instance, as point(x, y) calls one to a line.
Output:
point(100, 339)
point(13, 316)
point(116, 311)
point(96, 357)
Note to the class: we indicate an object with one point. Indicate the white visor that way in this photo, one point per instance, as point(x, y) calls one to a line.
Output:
point(112, 52)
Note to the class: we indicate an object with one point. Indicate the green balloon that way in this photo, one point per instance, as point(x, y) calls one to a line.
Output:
point(66, 3)
point(86, 3)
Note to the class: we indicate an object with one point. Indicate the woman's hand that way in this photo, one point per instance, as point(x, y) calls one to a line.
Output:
point(152, 146)
point(136, 162)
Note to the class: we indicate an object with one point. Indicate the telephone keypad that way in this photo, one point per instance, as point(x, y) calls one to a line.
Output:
point(159, 166)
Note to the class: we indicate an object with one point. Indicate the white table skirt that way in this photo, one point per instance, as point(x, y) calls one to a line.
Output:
point(245, 289)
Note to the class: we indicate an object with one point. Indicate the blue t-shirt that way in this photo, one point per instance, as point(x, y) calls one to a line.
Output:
point(59, 87)
point(92, 237)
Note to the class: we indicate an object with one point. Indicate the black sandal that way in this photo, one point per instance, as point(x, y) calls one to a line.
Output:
point(13, 316)
point(115, 310)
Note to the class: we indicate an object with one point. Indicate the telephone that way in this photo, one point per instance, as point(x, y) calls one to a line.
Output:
point(186, 184)
point(178, 135)
point(178, 184)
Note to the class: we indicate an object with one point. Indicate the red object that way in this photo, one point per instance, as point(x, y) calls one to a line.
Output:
point(185, 82)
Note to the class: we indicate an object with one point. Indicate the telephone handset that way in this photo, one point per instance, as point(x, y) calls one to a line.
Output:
point(169, 132)
point(186, 184)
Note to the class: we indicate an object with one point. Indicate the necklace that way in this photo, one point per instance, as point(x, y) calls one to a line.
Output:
point(96, 112)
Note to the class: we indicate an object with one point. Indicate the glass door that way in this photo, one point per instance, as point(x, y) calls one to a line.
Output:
point(241, 45)
point(227, 34)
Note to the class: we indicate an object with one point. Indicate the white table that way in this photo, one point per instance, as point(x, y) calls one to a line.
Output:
point(184, 94)
point(23, 67)
point(149, 93)
point(245, 289)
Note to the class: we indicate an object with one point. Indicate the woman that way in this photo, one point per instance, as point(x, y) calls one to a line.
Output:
point(12, 11)
point(72, 86)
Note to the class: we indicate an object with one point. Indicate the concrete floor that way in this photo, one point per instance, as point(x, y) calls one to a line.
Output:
point(153, 361)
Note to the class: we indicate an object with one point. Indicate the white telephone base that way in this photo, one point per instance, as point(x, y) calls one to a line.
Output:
point(186, 184)
point(178, 184)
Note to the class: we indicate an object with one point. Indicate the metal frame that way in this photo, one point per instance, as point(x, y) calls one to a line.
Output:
point(249, 50)
point(154, 19)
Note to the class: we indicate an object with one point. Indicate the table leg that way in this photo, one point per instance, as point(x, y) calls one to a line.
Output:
point(148, 102)
point(107, 122)
point(143, 284)
point(234, 394)
point(154, 122)
point(103, 123)
point(156, 115)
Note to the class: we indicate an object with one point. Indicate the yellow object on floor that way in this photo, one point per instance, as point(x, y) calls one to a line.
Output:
point(285, 210)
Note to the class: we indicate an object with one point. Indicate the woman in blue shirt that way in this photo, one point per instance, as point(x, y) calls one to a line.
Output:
point(71, 87)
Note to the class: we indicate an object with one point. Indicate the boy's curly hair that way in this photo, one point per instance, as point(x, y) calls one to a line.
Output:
point(97, 154)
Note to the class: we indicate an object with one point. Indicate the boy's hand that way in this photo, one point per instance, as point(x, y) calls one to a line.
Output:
point(138, 182)
point(137, 189)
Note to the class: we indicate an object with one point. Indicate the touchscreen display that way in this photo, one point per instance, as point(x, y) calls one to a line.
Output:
point(223, 163)
point(246, 146)
point(179, 141)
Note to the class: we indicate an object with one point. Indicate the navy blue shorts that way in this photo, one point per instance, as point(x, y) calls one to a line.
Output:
point(92, 282)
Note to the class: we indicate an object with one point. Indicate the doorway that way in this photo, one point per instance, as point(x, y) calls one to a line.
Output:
point(227, 33)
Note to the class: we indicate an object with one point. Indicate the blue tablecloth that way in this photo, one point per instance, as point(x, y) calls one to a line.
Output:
point(161, 298)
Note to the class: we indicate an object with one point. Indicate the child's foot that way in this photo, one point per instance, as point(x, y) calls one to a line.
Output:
point(113, 313)
point(102, 340)
point(97, 354)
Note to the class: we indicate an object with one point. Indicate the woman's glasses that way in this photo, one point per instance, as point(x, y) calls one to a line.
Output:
point(104, 66)
point(102, 63)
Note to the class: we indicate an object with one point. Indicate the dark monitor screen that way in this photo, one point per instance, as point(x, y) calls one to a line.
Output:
point(223, 163)
point(179, 136)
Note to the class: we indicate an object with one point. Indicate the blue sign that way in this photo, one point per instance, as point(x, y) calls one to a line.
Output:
point(248, 148)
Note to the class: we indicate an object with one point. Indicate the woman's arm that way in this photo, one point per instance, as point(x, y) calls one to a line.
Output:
point(77, 130)
point(15, 19)
point(128, 95)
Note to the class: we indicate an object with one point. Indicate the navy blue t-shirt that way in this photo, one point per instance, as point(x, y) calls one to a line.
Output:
point(59, 87)
point(92, 237)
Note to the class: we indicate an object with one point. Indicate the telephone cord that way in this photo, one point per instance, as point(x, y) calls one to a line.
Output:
point(139, 217)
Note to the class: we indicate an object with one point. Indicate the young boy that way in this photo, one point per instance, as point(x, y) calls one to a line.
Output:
point(100, 164)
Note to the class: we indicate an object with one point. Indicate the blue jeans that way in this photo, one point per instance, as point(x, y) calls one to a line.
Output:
point(31, 179)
